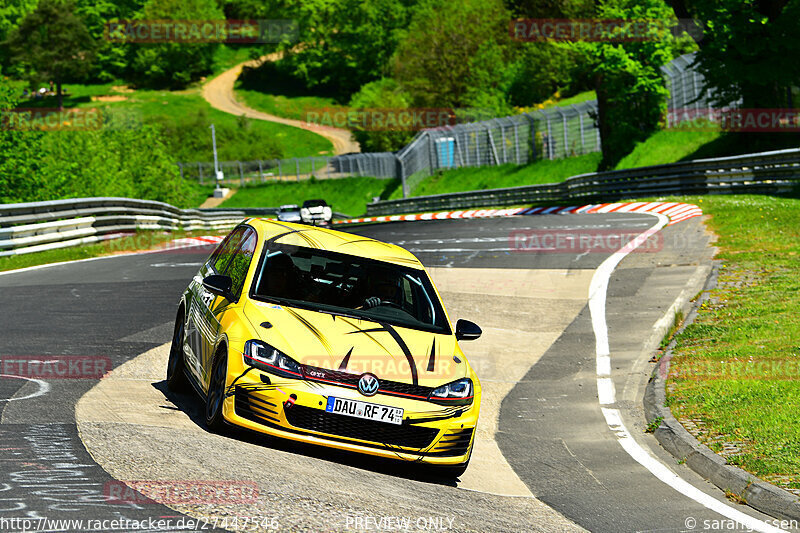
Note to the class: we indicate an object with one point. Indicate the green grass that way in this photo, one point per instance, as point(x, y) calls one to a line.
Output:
point(345, 195)
point(475, 178)
point(735, 370)
point(576, 99)
point(670, 145)
point(667, 146)
point(294, 107)
point(189, 116)
point(226, 57)
point(141, 240)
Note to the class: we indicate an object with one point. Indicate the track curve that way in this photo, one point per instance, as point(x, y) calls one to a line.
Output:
point(219, 92)
point(538, 356)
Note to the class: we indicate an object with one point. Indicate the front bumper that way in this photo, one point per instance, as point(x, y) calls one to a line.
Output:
point(429, 433)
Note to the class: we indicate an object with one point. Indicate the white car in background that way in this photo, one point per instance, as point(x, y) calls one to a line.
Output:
point(289, 213)
point(316, 212)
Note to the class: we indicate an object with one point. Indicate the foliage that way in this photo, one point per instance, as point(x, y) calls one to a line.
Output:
point(122, 158)
point(188, 136)
point(543, 69)
point(11, 12)
point(745, 48)
point(631, 92)
point(384, 94)
point(455, 54)
point(175, 64)
point(112, 57)
point(52, 43)
point(345, 43)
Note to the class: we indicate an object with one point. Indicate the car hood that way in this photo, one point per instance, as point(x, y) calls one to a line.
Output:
point(354, 345)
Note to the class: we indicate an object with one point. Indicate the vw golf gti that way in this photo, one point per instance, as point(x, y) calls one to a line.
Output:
point(327, 338)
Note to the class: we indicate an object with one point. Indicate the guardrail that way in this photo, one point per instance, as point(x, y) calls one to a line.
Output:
point(38, 226)
point(761, 173)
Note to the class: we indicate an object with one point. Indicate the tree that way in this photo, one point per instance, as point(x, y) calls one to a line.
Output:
point(53, 44)
point(383, 94)
point(345, 43)
point(745, 50)
point(175, 64)
point(11, 12)
point(631, 91)
point(455, 54)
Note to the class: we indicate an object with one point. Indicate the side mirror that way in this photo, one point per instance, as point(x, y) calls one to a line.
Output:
point(467, 331)
point(219, 285)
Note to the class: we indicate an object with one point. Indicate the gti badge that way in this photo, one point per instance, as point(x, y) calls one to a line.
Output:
point(368, 385)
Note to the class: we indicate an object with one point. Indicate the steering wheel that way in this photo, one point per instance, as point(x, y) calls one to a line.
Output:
point(374, 301)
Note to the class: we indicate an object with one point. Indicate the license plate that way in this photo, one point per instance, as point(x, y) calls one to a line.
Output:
point(370, 411)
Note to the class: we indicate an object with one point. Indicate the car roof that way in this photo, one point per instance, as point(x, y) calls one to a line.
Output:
point(332, 240)
point(289, 206)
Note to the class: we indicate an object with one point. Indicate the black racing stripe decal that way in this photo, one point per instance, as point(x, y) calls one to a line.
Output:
point(273, 240)
point(313, 243)
point(365, 240)
point(403, 346)
point(401, 260)
point(311, 328)
point(367, 333)
point(431, 361)
point(229, 390)
point(343, 364)
point(370, 330)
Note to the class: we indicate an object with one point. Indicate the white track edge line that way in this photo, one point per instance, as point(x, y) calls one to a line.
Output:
point(605, 387)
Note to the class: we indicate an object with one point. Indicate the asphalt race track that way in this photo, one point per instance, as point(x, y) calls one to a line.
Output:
point(550, 461)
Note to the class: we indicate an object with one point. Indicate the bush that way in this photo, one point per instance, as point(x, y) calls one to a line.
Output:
point(175, 65)
point(383, 94)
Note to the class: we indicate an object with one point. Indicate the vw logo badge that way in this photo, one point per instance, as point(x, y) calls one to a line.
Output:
point(368, 385)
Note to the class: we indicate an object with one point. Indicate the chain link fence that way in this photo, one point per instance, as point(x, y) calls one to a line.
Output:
point(551, 133)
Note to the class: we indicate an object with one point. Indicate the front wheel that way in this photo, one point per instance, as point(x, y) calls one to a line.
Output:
point(176, 375)
point(216, 393)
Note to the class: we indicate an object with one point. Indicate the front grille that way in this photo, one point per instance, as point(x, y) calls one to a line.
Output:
point(355, 428)
point(453, 443)
point(347, 379)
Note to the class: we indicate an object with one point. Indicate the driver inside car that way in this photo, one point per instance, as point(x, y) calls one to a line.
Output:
point(382, 289)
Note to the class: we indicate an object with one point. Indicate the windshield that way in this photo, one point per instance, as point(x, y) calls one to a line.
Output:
point(345, 284)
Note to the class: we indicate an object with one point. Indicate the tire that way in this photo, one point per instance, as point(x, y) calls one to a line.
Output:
point(176, 370)
point(215, 398)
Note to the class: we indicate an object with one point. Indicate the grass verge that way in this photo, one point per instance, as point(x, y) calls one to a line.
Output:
point(184, 118)
point(345, 195)
point(281, 105)
point(139, 241)
point(735, 369)
point(476, 178)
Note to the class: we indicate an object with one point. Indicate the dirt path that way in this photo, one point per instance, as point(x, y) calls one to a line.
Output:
point(219, 93)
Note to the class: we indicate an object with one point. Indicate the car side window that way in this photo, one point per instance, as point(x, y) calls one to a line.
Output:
point(240, 261)
point(222, 256)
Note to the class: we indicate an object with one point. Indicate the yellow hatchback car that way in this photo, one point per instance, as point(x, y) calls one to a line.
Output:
point(327, 338)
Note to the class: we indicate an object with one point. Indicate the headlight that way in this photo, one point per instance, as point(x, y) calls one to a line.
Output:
point(264, 357)
point(458, 392)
